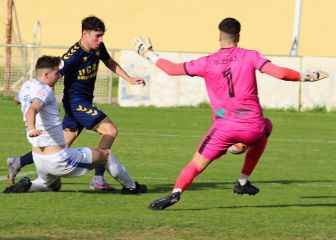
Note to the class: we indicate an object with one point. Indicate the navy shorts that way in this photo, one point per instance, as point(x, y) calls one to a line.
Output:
point(81, 114)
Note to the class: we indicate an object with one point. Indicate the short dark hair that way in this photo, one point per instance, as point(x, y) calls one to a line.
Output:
point(230, 26)
point(93, 23)
point(47, 62)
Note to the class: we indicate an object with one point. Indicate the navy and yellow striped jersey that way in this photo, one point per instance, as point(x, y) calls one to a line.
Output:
point(80, 71)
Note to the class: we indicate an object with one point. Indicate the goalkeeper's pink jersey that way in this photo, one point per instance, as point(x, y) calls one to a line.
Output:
point(230, 78)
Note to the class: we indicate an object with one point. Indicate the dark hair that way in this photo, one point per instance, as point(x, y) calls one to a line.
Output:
point(230, 26)
point(47, 62)
point(93, 23)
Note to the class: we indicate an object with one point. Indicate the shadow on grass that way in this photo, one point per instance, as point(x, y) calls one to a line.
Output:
point(199, 186)
point(89, 191)
point(317, 197)
point(287, 182)
point(24, 238)
point(75, 183)
point(158, 188)
point(310, 205)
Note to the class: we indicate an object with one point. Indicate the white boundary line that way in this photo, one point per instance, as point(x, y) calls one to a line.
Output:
point(202, 134)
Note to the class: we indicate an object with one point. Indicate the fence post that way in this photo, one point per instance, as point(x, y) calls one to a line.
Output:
point(8, 50)
point(110, 86)
point(110, 83)
point(300, 88)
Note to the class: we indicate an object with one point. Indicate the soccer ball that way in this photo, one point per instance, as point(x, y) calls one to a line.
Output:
point(237, 148)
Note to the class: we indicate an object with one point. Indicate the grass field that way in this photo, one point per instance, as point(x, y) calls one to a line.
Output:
point(297, 178)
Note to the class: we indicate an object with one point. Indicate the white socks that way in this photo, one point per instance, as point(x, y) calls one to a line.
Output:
point(243, 179)
point(118, 172)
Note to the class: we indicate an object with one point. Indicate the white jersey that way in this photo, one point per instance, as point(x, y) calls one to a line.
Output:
point(47, 119)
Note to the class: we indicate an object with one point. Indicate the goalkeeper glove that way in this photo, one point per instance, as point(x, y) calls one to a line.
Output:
point(313, 76)
point(143, 46)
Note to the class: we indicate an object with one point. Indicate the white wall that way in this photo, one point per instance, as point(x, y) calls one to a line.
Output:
point(163, 91)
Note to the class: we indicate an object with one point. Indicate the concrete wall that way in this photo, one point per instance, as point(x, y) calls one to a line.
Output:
point(162, 90)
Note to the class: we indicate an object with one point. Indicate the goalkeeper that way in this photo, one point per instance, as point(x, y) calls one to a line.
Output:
point(230, 78)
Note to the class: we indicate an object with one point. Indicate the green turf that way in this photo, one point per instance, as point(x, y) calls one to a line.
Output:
point(296, 176)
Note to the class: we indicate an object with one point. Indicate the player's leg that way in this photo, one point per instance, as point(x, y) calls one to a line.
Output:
point(70, 135)
point(84, 114)
point(68, 162)
point(15, 164)
point(108, 131)
point(71, 128)
point(44, 182)
point(212, 147)
point(93, 157)
point(80, 160)
point(92, 118)
point(46, 179)
point(196, 166)
point(21, 186)
point(252, 157)
point(73, 123)
point(119, 173)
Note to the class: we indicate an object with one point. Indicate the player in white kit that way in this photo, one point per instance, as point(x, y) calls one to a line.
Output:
point(44, 132)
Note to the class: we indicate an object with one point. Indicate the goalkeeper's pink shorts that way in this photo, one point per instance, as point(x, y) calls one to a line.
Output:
point(224, 133)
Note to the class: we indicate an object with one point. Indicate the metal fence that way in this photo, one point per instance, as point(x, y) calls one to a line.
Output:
point(23, 58)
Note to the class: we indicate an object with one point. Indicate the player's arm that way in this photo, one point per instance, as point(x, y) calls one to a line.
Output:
point(111, 64)
point(70, 61)
point(172, 69)
point(117, 69)
point(144, 48)
point(288, 74)
point(31, 113)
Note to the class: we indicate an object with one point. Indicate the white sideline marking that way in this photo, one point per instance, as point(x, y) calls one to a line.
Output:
point(4, 178)
point(202, 134)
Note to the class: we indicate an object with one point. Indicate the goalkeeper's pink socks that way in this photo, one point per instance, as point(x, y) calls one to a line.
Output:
point(187, 176)
point(253, 155)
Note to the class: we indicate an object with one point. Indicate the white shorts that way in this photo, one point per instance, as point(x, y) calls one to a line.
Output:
point(66, 163)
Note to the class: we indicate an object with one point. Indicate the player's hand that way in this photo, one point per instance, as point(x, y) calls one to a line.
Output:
point(136, 81)
point(34, 133)
point(314, 76)
point(142, 45)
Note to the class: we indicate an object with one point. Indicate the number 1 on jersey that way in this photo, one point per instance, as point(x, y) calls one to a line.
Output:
point(227, 74)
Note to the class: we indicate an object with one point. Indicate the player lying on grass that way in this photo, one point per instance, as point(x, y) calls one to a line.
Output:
point(80, 69)
point(230, 80)
point(52, 158)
